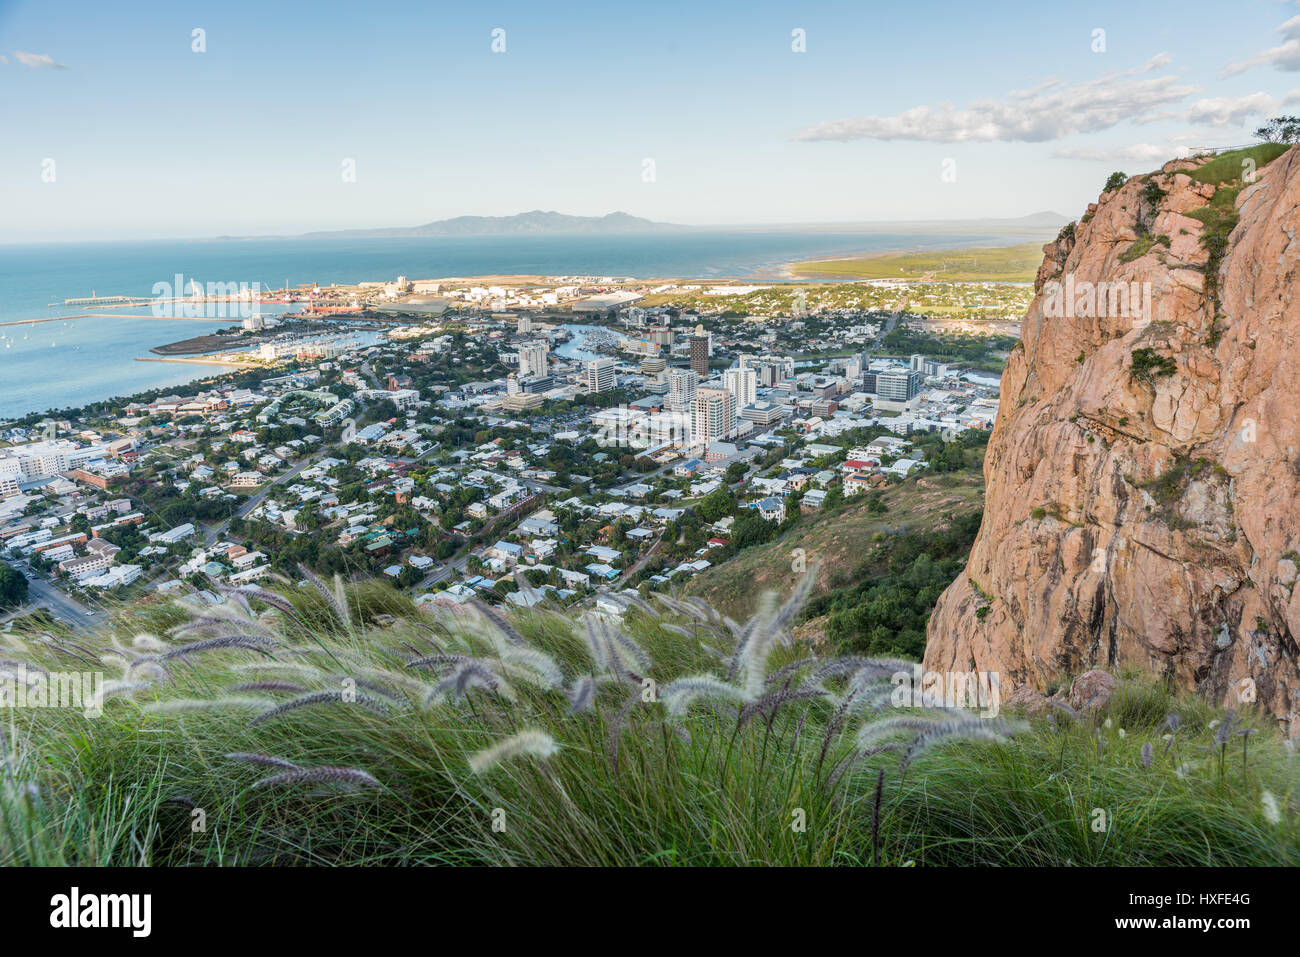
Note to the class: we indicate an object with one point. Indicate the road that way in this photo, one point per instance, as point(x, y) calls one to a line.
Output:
point(640, 562)
point(213, 532)
point(58, 603)
point(369, 373)
point(543, 487)
point(455, 566)
point(893, 319)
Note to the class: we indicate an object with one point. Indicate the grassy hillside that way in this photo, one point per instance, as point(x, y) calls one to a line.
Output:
point(838, 539)
point(1017, 263)
point(346, 727)
point(1227, 167)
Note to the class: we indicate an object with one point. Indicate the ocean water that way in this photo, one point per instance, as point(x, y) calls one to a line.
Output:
point(56, 365)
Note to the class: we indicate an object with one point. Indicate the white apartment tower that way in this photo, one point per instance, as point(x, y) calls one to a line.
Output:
point(713, 417)
point(532, 359)
point(682, 384)
point(743, 386)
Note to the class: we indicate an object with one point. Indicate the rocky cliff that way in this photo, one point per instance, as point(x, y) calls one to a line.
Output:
point(1143, 503)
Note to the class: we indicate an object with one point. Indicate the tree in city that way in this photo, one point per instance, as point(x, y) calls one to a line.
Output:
point(13, 586)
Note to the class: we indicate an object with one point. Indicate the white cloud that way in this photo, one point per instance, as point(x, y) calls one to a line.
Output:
point(1283, 57)
point(1137, 153)
point(38, 60)
point(1047, 112)
point(1232, 111)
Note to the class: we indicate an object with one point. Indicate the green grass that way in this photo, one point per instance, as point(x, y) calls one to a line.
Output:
point(635, 778)
point(1140, 247)
point(1219, 217)
point(1227, 167)
point(1003, 264)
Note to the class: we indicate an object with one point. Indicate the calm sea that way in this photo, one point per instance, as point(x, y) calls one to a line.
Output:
point(55, 365)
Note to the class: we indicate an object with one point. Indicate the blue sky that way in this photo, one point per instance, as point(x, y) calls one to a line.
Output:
point(151, 139)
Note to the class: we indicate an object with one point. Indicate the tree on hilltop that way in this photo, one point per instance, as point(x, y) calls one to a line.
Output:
point(1280, 129)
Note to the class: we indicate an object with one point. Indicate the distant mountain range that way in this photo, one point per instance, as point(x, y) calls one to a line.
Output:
point(539, 222)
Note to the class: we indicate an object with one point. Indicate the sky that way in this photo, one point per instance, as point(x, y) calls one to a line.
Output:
point(139, 119)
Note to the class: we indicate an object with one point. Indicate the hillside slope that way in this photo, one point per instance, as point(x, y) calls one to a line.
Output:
point(1143, 479)
point(836, 541)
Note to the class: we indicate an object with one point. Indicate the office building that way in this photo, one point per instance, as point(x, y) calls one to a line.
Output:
point(899, 386)
point(700, 355)
point(763, 414)
point(600, 375)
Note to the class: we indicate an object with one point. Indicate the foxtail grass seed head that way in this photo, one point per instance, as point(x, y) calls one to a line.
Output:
point(322, 775)
point(1272, 812)
point(148, 643)
point(323, 697)
point(529, 743)
point(266, 760)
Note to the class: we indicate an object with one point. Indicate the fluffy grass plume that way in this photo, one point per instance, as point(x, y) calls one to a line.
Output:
point(530, 743)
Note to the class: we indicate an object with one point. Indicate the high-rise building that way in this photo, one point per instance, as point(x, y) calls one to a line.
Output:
point(600, 375)
point(700, 355)
point(525, 325)
point(743, 386)
point(769, 369)
point(712, 419)
point(930, 367)
point(656, 376)
point(682, 384)
point(532, 358)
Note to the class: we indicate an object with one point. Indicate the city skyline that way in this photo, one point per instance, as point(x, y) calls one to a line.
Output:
point(238, 119)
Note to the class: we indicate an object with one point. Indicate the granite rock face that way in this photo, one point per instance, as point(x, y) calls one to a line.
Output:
point(1143, 501)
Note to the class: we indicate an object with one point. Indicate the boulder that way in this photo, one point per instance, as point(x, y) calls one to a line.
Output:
point(1026, 700)
point(1092, 690)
